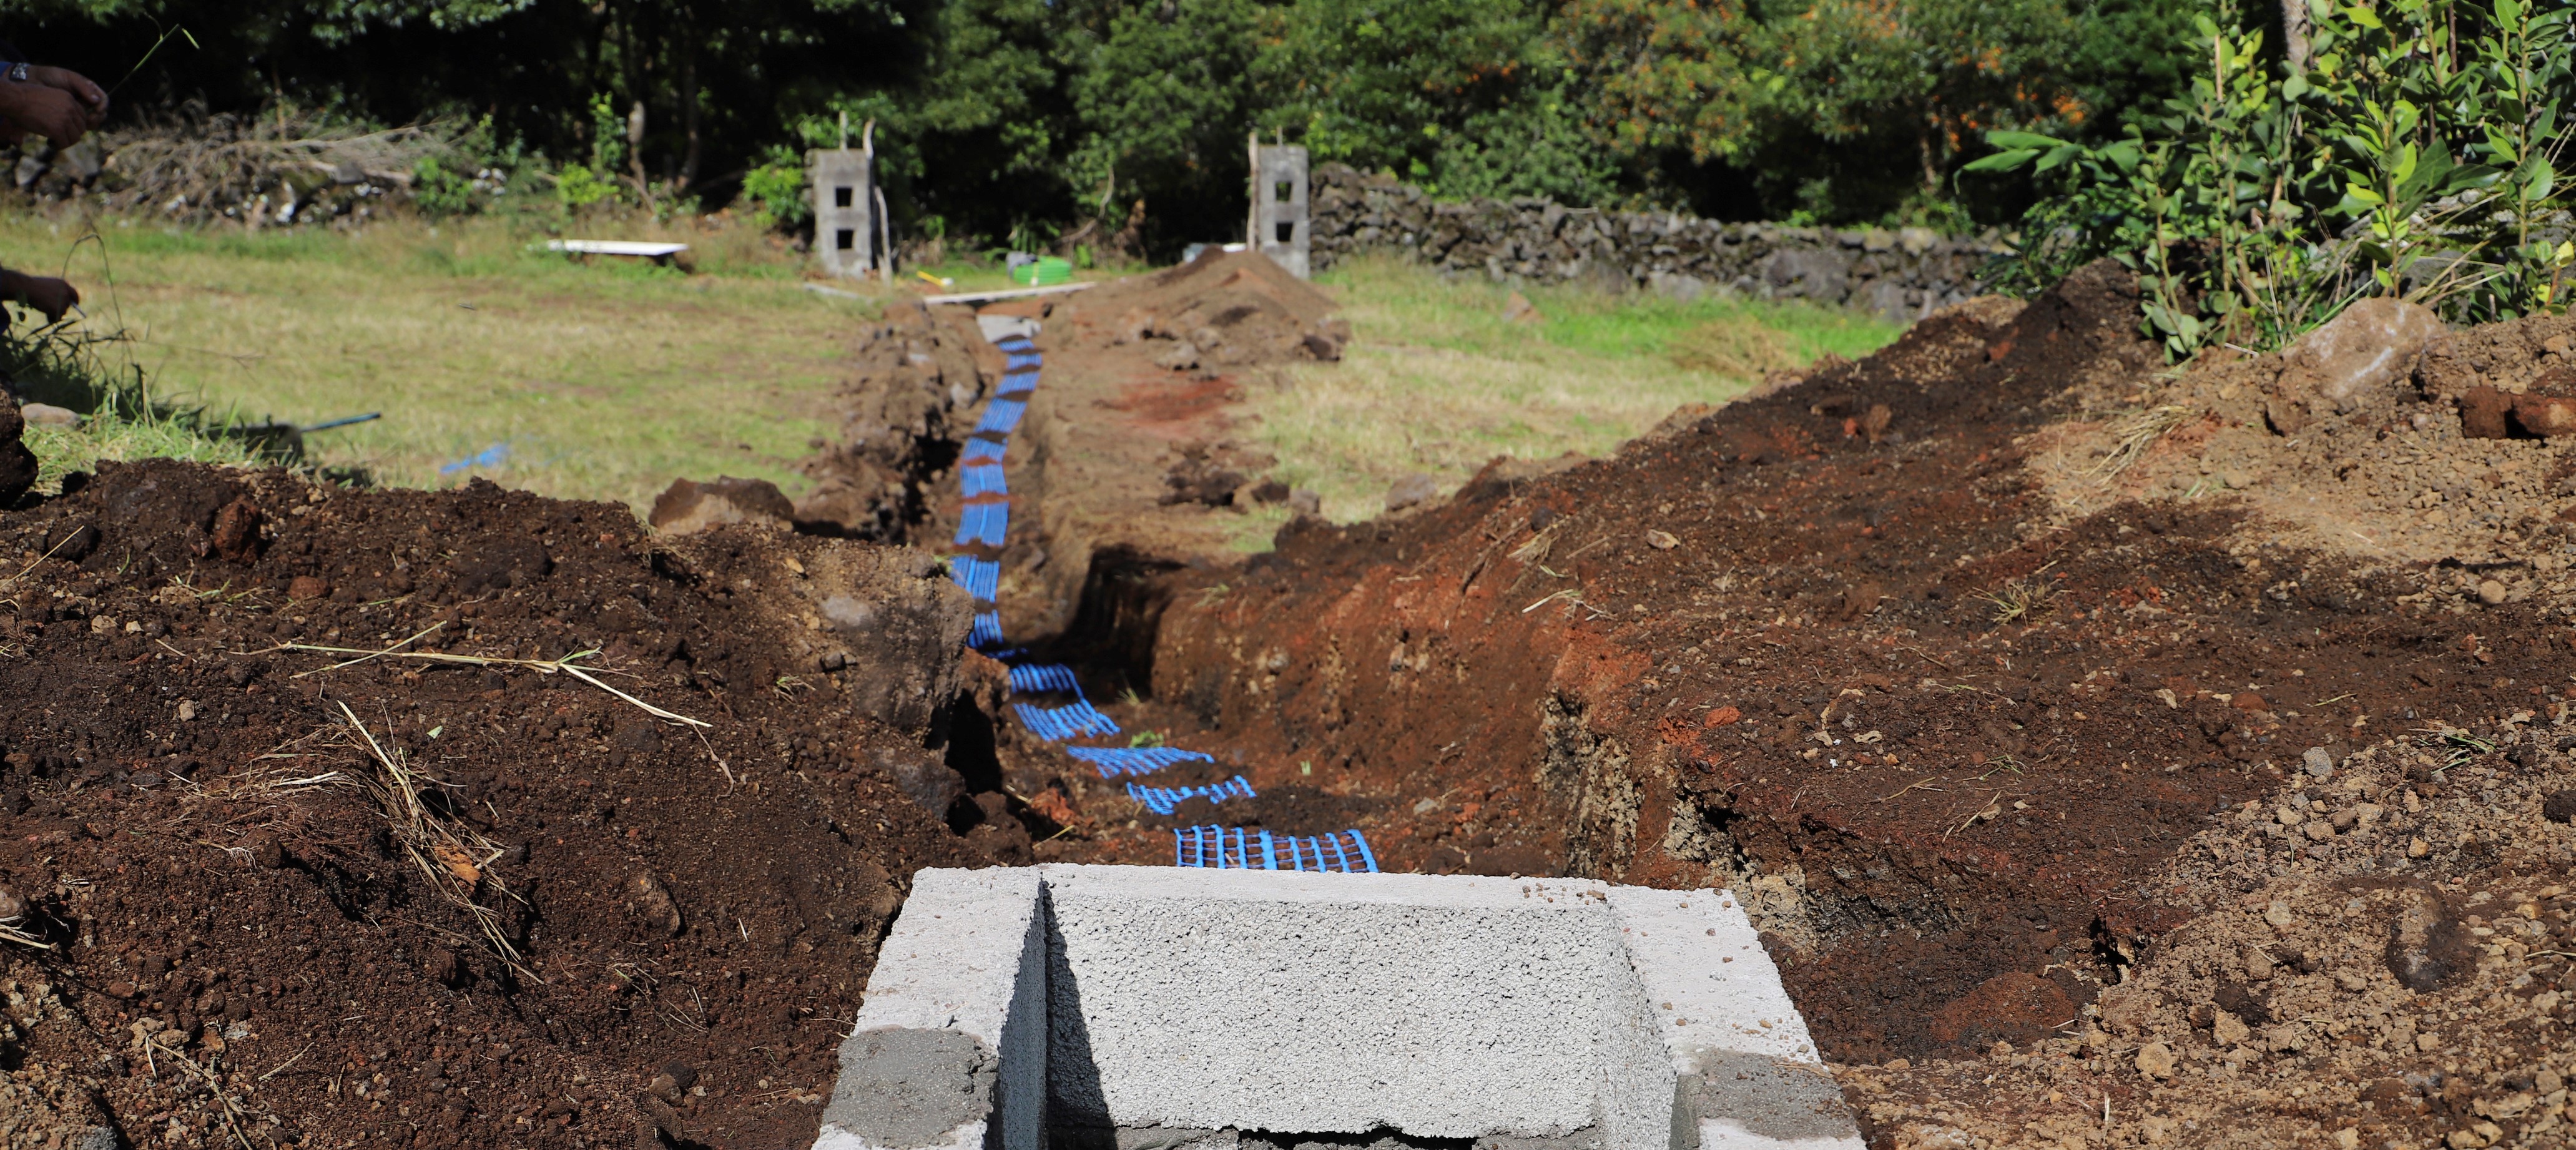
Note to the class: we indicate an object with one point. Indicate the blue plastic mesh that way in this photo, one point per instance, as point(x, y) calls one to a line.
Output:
point(1238, 848)
point(1162, 800)
point(1067, 722)
point(980, 577)
point(1002, 416)
point(985, 523)
point(1115, 761)
point(1044, 677)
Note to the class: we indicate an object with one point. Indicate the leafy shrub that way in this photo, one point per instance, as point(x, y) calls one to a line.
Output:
point(439, 192)
point(576, 186)
point(2417, 153)
point(777, 189)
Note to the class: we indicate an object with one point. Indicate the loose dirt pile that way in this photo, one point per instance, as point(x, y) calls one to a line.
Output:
point(1972, 750)
point(2343, 1000)
point(266, 895)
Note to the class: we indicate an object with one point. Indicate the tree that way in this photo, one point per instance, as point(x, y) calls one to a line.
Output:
point(719, 82)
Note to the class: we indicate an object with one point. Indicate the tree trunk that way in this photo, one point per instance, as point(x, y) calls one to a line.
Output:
point(635, 152)
point(2296, 23)
point(689, 111)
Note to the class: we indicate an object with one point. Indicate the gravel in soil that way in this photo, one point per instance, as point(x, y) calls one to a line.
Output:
point(263, 895)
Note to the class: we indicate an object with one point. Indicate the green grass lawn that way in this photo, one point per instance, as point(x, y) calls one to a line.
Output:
point(599, 380)
point(1438, 381)
point(608, 379)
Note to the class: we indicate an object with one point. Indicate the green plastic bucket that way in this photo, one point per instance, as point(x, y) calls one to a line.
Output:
point(1047, 270)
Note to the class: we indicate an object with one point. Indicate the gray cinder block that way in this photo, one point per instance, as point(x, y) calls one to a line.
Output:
point(1279, 222)
point(845, 221)
point(1122, 1008)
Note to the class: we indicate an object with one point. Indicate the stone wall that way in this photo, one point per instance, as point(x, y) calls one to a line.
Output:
point(1899, 275)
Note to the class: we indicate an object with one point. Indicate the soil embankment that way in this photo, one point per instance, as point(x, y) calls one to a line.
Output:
point(1986, 701)
point(271, 896)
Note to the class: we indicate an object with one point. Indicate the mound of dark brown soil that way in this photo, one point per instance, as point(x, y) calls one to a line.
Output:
point(268, 895)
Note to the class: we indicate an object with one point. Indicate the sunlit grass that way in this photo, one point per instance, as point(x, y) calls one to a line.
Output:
point(1438, 381)
point(598, 380)
point(63, 450)
point(607, 379)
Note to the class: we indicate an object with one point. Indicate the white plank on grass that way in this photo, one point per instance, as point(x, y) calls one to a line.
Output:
point(649, 249)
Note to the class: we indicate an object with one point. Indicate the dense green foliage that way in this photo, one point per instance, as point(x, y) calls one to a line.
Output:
point(2419, 151)
point(1025, 119)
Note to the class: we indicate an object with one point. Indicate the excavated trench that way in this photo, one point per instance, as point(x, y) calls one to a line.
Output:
point(1763, 651)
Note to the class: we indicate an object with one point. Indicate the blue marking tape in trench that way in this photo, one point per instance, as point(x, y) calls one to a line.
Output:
point(988, 524)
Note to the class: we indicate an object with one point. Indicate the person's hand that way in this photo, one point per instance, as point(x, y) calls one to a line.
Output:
point(43, 293)
point(92, 97)
point(45, 110)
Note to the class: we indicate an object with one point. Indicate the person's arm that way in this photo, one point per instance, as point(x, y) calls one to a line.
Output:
point(43, 293)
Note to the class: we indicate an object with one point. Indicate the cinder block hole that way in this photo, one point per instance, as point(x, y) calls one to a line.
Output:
point(841, 196)
point(845, 239)
point(1287, 233)
point(1283, 191)
point(1133, 1008)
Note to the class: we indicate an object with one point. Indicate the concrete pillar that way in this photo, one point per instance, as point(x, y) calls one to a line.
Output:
point(845, 209)
point(1279, 228)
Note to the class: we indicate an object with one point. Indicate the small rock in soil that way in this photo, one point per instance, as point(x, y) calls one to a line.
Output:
point(2319, 763)
point(688, 505)
point(17, 463)
point(2423, 943)
point(2357, 360)
point(48, 415)
point(2559, 807)
point(2228, 1029)
point(2156, 1060)
point(651, 903)
point(1411, 490)
point(2258, 965)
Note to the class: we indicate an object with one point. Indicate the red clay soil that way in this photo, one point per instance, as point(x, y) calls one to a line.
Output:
point(1830, 647)
point(562, 922)
point(1127, 462)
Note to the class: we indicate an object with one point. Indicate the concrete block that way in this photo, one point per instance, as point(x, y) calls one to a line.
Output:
point(842, 184)
point(949, 1048)
point(1198, 1009)
point(1280, 228)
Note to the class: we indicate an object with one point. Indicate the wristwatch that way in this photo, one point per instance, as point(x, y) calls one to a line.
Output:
point(18, 72)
